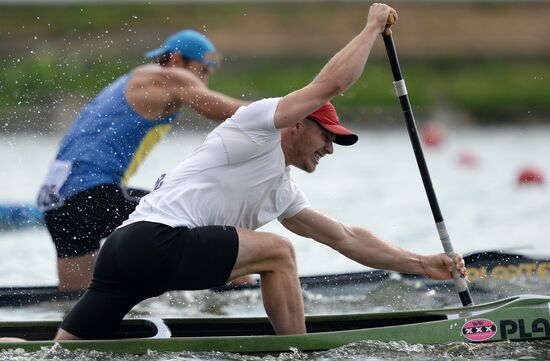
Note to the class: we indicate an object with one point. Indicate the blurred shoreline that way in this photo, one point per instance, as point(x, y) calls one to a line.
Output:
point(469, 62)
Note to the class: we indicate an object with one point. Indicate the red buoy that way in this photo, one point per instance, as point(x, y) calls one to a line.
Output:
point(468, 159)
point(531, 175)
point(433, 134)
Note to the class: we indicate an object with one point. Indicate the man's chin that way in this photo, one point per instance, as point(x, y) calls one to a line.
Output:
point(311, 168)
point(307, 168)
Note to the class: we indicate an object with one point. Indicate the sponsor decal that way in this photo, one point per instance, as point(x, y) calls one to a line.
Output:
point(528, 271)
point(519, 329)
point(479, 330)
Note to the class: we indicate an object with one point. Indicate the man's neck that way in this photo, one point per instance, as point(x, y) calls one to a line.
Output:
point(287, 146)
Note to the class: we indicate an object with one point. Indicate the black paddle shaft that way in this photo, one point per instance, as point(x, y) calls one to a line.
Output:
point(401, 92)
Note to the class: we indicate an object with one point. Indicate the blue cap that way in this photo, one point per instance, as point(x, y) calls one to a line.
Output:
point(189, 43)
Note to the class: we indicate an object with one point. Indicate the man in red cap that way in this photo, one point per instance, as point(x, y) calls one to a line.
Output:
point(197, 228)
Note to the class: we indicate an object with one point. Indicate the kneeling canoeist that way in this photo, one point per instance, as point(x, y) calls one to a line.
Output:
point(197, 228)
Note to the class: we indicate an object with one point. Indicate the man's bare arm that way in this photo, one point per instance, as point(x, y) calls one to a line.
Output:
point(362, 246)
point(155, 91)
point(337, 75)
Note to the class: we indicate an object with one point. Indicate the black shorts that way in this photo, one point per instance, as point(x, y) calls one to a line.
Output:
point(78, 226)
point(143, 260)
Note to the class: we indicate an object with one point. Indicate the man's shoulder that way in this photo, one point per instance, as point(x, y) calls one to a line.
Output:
point(266, 102)
point(148, 76)
point(258, 107)
point(258, 111)
point(146, 69)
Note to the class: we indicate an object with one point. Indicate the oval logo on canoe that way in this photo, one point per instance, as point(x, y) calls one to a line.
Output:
point(479, 330)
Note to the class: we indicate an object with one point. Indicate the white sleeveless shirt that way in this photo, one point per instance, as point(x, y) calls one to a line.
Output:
point(237, 177)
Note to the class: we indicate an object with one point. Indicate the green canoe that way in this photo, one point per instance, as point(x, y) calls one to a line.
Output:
point(520, 318)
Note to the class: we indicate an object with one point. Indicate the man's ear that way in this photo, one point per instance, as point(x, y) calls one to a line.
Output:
point(176, 59)
point(293, 130)
point(299, 124)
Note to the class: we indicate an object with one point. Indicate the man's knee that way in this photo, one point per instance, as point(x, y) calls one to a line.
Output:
point(75, 273)
point(283, 252)
point(263, 252)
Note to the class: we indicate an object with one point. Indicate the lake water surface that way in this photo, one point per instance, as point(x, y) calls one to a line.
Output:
point(375, 184)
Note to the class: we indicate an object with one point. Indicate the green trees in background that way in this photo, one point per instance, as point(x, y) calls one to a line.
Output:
point(488, 90)
point(58, 55)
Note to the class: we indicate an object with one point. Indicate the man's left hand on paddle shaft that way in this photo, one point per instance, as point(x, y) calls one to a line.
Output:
point(439, 266)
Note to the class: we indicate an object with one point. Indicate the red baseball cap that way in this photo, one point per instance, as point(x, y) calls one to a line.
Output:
point(327, 119)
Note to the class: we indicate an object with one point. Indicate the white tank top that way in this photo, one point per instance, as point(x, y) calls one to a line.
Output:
point(237, 177)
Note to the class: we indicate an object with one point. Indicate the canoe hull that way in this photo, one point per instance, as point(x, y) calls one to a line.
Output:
point(520, 318)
